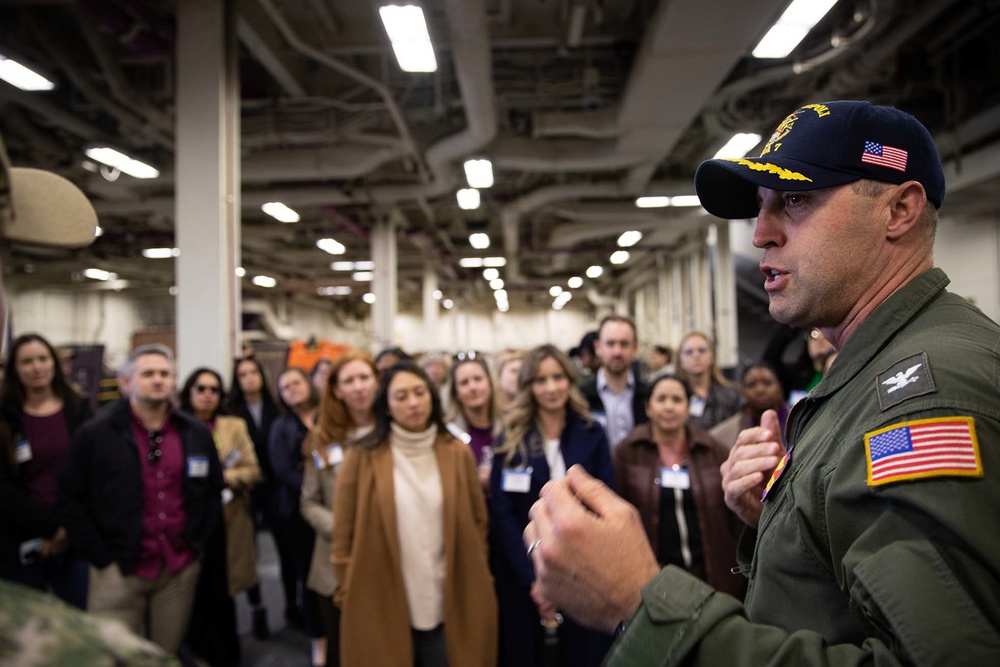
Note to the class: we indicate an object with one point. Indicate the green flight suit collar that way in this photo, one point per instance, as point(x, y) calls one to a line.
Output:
point(880, 327)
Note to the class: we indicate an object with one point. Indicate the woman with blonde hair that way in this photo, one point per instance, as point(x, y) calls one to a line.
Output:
point(508, 369)
point(715, 398)
point(474, 413)
point(345, 414)
point(409, 539)
point(548, 430)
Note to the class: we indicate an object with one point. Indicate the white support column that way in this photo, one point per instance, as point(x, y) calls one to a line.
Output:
point(384, 285)
point(431, 306)
point(207, 185)
point(727, 345)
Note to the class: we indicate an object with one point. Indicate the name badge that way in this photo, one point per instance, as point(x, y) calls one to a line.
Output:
point(232, 458)
point(22, 451)
point(601, 418)
point(671, 478)
point(516, 481)
point(696, 408)
point(334, 454)
point(227, 496)
point(198, 466)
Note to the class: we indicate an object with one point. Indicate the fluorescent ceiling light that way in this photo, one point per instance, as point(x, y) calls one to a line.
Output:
point(264, 281)
point(99, 274)
point(500, 294)
point(479, 241)
point(594, 271)
point(342, 266)
point(652, 202)
point(496, 283)
point(503, 307)
point(448, 304)
point(331, 246)
point(555, 290)
point(738, 146)
point(240, 272)
point(334, 290)
point(494, 261)
point(678, 200)
point(686, 200)
point(800, 17)
point(161, 253)
point(362, 276)
point(99, 231)
point(121, 162)
point(619, 257)
point(576, 282)
point(468, 199)
point(479, 173)
point(368, 297)
point(471, 262)
point(629, 239)
point(364, 265)
point(437, 295)
point(280, 212)
point(22, 77)
point(407, 30)
point(491, 274)
point(564, 297)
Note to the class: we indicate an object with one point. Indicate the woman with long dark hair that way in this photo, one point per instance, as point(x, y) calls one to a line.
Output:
point(409, 539)
point(39, 413)
point(669, 470)
point(762, 391)
point(251, 400)
point(229, 565)
point(548, 429)
point(300, 400)
point(345, 414)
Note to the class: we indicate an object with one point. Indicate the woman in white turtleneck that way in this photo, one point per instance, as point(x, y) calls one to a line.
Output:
point(409, 540)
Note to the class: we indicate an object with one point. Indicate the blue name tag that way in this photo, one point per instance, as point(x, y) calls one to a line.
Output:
point(22, 451)
point(516, 481)
point(671, 478)
point(197, 466)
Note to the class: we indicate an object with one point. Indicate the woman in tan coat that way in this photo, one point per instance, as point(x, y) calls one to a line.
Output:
point(345, 414)
point(409, 542)
point(231, 551)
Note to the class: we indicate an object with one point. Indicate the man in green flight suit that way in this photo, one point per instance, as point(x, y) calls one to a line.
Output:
point(873, 539)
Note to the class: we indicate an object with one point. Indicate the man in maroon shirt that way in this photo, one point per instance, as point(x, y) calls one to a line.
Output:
point(140, 492)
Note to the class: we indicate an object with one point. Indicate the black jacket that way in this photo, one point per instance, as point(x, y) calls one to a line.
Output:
point(269, 413)
point(23, 518)
point(101, 495)
point(589, 390)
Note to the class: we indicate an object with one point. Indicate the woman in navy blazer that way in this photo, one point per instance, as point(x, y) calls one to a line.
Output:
point(548, 429)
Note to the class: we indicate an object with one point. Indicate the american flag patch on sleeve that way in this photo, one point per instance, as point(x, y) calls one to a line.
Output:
point(939, 447)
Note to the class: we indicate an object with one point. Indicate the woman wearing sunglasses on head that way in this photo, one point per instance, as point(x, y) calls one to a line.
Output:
point(409, 540)
point(39, 413)
point(230, 563)
point(345, 414)
point(548, 430)
point(474, 415)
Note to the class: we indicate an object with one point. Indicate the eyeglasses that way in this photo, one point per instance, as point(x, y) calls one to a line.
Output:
point(467, 356)
point(202, 388)
point(155, 453)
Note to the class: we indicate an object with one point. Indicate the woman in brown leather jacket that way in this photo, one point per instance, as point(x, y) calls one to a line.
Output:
point(670, 471)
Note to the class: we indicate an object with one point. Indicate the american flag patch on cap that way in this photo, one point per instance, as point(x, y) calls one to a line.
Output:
point(884, 156)
point(940, 447)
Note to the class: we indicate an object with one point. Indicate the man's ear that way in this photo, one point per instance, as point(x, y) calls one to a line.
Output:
point(906, 207)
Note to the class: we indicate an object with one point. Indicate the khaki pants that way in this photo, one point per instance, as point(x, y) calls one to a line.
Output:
point(162, 606)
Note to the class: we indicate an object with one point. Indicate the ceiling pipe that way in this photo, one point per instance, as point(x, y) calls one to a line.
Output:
point(390, 103)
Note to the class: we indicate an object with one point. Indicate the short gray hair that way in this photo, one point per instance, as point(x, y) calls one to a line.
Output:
point(128, 368)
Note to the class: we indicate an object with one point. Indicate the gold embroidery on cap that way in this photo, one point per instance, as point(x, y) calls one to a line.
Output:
point(783, 174)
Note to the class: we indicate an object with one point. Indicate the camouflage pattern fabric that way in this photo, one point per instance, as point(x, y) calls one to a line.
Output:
point(39, 629)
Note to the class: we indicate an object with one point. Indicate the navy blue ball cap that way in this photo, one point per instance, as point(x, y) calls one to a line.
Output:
point(820, 146)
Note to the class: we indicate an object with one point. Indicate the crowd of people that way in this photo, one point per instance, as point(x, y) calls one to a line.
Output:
point(410, 479)
point(534, 517)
